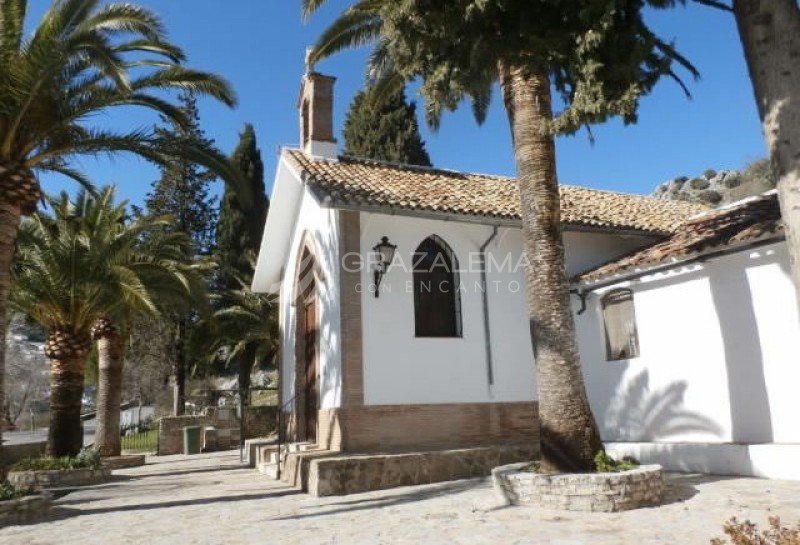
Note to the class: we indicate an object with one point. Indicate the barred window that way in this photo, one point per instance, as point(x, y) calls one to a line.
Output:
point(619, 320)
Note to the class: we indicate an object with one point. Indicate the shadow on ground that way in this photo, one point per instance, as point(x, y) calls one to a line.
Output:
point(60, 511)
point(390, 500)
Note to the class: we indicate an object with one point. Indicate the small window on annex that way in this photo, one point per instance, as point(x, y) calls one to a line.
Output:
point(619, 320)
point(437, 302)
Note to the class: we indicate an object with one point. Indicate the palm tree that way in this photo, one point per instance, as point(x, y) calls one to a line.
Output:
point(599, 56)
point(84, 58)
point(58, 282)
point(243, 329)
point(79, 274)
point(148, 271)
point(770, 35)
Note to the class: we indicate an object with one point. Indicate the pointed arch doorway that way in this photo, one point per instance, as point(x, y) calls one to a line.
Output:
point(307, 384)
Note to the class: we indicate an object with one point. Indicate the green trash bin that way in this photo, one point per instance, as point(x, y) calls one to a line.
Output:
point(191, 439)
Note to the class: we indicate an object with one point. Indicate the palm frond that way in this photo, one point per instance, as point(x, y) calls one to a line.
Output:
point(357, 26)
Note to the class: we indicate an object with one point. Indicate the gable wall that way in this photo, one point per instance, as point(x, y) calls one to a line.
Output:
point(718, 356)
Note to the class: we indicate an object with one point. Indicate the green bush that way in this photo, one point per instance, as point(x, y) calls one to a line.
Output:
point(86, 459)
point(8, 492)
point(606, 464)
point(747, 533)
point(533, 467)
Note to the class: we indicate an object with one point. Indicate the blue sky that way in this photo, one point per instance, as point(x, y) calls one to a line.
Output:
point(258, 45)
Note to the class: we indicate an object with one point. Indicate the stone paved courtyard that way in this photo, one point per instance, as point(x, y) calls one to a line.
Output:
point(211, 499)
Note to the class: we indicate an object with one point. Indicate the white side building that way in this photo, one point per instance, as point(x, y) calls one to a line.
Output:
point(690, 347)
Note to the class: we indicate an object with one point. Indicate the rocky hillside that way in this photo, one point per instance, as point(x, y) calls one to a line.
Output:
point(718, 188)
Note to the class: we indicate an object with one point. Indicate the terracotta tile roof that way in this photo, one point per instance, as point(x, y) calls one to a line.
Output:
point(747, 220)
point(372, 183)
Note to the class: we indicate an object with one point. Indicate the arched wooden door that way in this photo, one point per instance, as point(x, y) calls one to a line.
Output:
point(307, 347)
point(310, 334)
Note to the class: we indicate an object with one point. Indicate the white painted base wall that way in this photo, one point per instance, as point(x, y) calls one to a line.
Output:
point(773, 460)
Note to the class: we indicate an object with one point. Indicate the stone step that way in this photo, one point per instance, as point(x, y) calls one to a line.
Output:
point(295, 447)
point(268, 470)
point(272, 457)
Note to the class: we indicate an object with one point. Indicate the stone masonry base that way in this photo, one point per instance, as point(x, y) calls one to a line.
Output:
point(607, 492)
point(351, 473)
point(37, 480)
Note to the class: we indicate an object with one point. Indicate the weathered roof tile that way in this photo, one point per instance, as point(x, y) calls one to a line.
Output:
point(748, 220)
point(355, 181)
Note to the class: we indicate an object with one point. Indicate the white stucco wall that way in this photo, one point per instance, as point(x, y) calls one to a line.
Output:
point(322, 225)
point(403, 369)
point(586, 250)
point(718, 359)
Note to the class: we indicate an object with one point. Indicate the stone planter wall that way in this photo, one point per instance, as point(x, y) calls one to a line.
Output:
point(124, 462)
point(259, 422)
point(37, 480)
point(352, 473)
point(25, 509)
point(11, 454)
point(170, 432)
point(607, 492)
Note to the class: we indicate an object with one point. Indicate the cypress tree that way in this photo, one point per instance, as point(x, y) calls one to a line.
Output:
point(386, 130)
point(241, 225)
point(239, 231)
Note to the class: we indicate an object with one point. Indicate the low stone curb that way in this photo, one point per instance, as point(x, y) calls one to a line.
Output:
point(606, 492)
point(38, 480)
point(123, 462)
point(24, 509)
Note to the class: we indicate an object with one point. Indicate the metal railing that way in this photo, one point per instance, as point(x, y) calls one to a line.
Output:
point(145, 441)
point(281, 438)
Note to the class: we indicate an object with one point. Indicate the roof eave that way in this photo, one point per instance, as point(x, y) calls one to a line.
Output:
point(634, 272)
point(327, 201)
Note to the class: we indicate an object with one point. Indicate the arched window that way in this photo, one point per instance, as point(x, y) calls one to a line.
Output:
point(619, 320)
point(437, 303)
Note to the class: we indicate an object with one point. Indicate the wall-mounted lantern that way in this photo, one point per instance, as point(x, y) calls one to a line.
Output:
point(385, 253)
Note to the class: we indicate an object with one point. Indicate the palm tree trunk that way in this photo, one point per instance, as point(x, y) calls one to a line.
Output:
point(9, 223)
point(179, 389)
point(67, 367)
point(770, 34)
point(110, 351)
point(569, 436)
point(246, 363)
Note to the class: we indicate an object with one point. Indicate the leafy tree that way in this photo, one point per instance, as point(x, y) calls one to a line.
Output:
point(27, 378)
point(600, 58)
point(385, 129)
point(84, 58)
point(183, 193)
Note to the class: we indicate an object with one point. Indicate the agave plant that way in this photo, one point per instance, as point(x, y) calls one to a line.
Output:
point(85, 57)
